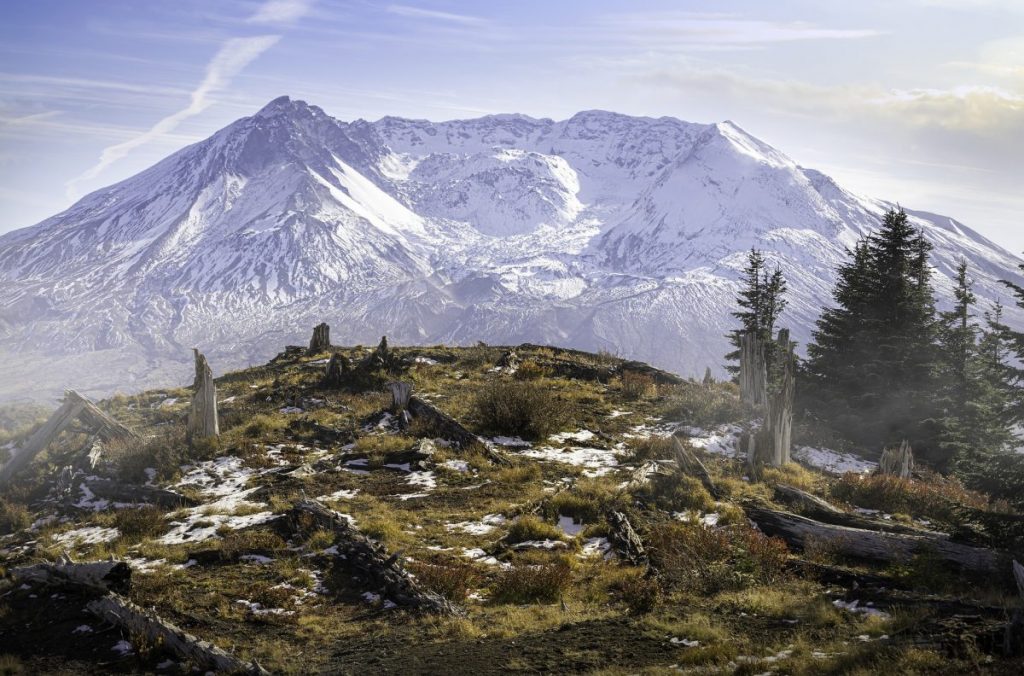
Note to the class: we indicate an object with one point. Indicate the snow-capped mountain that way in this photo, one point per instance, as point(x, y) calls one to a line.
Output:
point(602, 231)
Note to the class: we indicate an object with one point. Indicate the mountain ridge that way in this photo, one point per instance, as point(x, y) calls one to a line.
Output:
point(602, 230)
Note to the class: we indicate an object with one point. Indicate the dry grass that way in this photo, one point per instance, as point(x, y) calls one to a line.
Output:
point(533, 583)
point(636, 385)
point(528, 409)
point(934, 498)
point(141, 522)
point(528, 528)
point(13, 517)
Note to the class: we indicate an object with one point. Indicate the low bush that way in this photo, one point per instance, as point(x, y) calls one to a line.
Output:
point(640, 593)
point(449, 577)
point(13, 517)
point(636, 385)
point(679, 492)
point(164, 452)
point(533, 583)
point(529, 528)
point(528, 409)
point(652, 448)
point(251, 541)
point(701, 405)
point(934, 497)
point(140, 522)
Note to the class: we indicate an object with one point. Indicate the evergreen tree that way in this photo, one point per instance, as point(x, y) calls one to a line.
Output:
point(761, 301)
point(872, 362)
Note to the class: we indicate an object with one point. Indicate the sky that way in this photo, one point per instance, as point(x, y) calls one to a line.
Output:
point(915, 101)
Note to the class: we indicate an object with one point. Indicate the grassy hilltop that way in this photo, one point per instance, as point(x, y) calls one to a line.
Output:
point(523, 547)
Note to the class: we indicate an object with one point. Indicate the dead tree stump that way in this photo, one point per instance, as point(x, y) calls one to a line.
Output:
point(709, 379)
point(337, 369)
point(321, 340)
point(202, 417)
point(897, 461)
point(753, 370)
point(777, 438)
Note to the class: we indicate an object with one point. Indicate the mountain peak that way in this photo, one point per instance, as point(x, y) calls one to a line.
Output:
point(282, 105)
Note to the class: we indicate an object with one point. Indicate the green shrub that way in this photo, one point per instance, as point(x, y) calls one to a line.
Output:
point(680, 492)
point(527, 409)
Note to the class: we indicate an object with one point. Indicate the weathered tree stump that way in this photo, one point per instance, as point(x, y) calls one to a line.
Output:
point(400, 395)
point(626, 540)
point(338, 369)
point(357, 552)
point(897, 462)
point(753, 370)
point(202, 416)
point(74, 407)
point(449, 428)
point(321, 340)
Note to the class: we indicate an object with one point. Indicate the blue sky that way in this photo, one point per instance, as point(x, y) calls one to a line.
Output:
point(920, 101)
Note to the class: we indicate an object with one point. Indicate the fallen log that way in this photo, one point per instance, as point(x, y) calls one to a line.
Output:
point(450, 428)
point(689, 463)
point(626, 540)
point(361, 554)
point(870, 545)
point(816, 508)
point(120, 492)
point(135, 620)
point(74, 407)
point(102, 576)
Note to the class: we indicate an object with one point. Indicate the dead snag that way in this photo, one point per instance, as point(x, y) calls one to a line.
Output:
point(688, 463)
point(709, 379)
point(450, 428)
point(897, 461)
point(74, 407)
point(338, 368)
point(776, 438)
point(400, 393)
point(370, 559)
point(872, 545)
point(626, 539)
point(102, 576)
point(202, 417)
point(1018, 577)
point(321, 340)
point(135, 620)
point(753, 370)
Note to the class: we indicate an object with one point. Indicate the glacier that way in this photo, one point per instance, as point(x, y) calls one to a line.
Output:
point(601, 232)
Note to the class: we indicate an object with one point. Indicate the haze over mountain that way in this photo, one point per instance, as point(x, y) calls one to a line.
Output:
point(601, 232)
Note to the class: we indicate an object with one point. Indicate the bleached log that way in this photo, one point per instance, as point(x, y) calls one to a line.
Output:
point(370, 559)
point(121, 492)
point(202, 416)
point(135, 620)
point(101, 576)
point(400, 393)
point(816, 508)
point(753, 370)
point(74, 407)
point(871, 545)
point(450, 428)
point(688, 463)
point(626, 540)
point(321, 340)
point(898, 461)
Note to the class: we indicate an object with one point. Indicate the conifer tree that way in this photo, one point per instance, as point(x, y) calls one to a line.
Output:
point(761, 301)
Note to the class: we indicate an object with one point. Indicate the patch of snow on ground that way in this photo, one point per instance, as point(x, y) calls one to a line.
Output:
point(456, 465)
point(259, 609)
point(597, 547)
point(221, 477)
point(562, 437)
point(617, 413)
point(481, 527)
point(569, 525)
point(123, 648)
point(722, 440)
point(197, 527)
point(141, 565)
point(90, 535)
point(857, 609)
point(425, 360)
point(426, 480)
point(477, 554)
point(510, 442)
point(833, 461)
point(343, 494)
point(596, 461)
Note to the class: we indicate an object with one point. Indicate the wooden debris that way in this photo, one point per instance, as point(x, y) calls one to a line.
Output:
point(321, 340)
point(688, 463)
point(626, 540)
point(120, 492)
point(361, 554)
point(753, 371)
point(75, 407)
point(873, 545)
point(337, 369)
point(449, 428)
point(816, 508)
point(897, 461)
point(100, 576)
point(202, 417)
point(137, 621)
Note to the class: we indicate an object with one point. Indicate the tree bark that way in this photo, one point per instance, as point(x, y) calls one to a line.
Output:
point(337, 368)
point(100, 576)
point(626, 540)
point(202, 417)
point(119, 492)
point(753, 371)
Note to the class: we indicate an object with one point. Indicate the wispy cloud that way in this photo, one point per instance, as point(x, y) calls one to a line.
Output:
point(235, 55)
point(419, 13)
point(280, 11)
